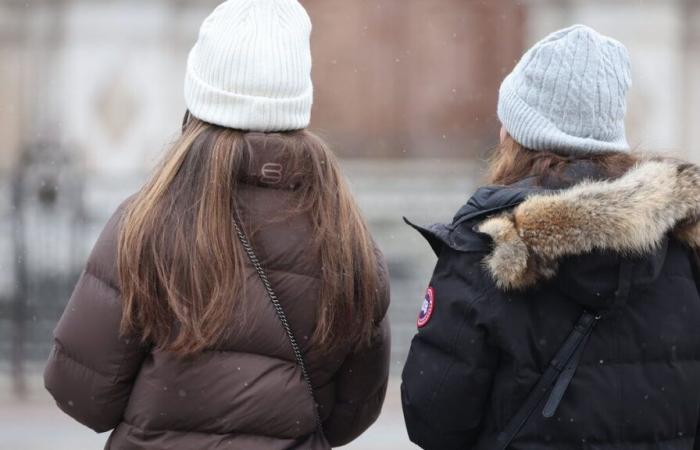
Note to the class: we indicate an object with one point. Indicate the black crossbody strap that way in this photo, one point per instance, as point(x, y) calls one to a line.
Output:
point(563, 380)
point(280, 313)
point(559, 373)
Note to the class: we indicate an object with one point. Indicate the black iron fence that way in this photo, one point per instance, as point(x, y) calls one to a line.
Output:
point(43, 220)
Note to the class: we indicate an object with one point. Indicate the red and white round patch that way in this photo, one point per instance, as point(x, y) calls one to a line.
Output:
point(426, 310)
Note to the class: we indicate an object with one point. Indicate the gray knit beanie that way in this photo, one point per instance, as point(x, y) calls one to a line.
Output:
point(568, 93)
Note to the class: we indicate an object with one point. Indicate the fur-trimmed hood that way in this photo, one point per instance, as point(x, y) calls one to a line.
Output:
point(631, 215)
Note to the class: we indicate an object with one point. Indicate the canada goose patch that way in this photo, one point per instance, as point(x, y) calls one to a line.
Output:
point(426, 310)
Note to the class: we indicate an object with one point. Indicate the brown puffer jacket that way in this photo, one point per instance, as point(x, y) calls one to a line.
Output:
point(248, 395)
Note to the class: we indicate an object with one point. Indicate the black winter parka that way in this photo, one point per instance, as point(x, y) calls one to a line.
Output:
point(515, 270)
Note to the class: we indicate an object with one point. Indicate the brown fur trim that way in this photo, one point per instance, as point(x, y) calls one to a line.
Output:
point(630, 215)
point(688, 232)
point(510, 255)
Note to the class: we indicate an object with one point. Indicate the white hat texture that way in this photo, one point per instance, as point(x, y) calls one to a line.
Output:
point(568, 94)
point(251, 67)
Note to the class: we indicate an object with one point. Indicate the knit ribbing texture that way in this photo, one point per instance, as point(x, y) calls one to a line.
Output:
point(251, 67)
point(568, 93)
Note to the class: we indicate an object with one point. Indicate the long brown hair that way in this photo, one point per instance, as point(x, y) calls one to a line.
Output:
point(180, 261)
point(511, 162)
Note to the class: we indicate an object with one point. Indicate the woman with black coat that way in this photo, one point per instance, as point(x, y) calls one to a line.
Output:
point(563, 311)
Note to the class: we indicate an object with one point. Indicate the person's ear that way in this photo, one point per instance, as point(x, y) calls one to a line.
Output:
point(186, 120)
point(503, 134)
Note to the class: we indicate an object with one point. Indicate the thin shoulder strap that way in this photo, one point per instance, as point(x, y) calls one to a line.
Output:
point(558, 373)
point(280, 313)
point(556, 379)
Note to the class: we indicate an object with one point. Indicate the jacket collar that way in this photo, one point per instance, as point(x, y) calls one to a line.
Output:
point(269, 165)
point(630, 216)
point(494, 198)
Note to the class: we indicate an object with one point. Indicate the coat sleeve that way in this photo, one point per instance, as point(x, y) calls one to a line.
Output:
point(91, 367)
point(362, 380)
point(447, 378)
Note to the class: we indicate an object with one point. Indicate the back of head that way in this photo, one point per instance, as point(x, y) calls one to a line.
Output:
point(563, 108)
point(180, 262)
point(568, 94)
point(565, 103)
point(251, 67)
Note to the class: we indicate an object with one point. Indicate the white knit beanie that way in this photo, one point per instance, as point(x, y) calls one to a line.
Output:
point(251, 67)
point(568, 94)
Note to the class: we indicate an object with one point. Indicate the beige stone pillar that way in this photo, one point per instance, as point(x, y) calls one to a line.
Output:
point(691, 81)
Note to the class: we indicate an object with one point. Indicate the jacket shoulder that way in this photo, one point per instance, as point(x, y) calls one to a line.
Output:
point(102, 262)
point(460, 234)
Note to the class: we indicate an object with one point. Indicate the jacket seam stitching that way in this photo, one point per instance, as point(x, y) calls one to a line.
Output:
point(233, 433)
point(313, 277)
point(451, 352)
point(102, 280)
point(118, 370)
point(622, 441)
point(642, 362)
point(61, 352)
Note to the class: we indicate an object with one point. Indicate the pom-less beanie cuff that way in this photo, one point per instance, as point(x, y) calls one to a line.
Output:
point(246, 112)
point(568, 94)
point(534, 131)
point(250, 68)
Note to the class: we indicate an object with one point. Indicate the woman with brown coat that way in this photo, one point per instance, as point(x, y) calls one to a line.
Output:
point(237, 300)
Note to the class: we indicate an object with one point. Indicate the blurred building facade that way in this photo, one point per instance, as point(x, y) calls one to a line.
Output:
point(405, 91)
point(393, 78)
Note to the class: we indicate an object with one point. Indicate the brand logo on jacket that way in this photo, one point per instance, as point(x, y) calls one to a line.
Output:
point(271, 173)
point(426, 310)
